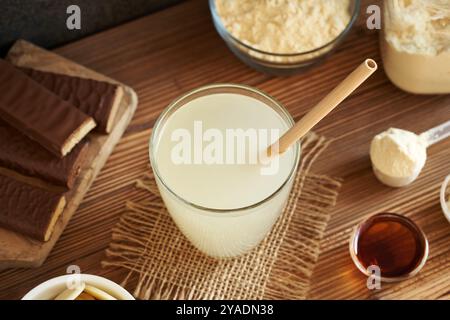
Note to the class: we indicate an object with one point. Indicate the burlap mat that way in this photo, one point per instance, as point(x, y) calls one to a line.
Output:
point(147, 243)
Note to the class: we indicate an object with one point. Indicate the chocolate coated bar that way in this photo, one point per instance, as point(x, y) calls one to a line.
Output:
point(40, 114)
point(98, 99)
point(27, 157)
point(28, 209)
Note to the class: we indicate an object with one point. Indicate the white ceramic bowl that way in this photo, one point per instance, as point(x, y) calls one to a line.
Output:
point(445, 196)
point(50, 288)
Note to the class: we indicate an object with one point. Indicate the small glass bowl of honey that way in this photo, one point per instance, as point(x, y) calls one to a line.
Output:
point(390, 242)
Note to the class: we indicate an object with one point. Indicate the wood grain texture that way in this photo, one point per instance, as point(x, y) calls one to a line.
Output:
point(165, 54)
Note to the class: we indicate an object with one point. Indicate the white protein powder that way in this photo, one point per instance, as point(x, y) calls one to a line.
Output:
point(284, 26)
point(418, 26)
point(398, 153)
point(416, 45)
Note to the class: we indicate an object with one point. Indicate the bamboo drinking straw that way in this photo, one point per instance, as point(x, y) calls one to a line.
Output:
point(325, 106)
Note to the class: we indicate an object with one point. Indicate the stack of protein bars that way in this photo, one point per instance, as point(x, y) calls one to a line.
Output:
point(45, 119)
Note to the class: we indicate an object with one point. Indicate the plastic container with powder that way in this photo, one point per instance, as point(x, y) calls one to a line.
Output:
point(415, 45)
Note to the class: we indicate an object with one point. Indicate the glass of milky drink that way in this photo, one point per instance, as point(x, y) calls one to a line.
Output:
point(208, 154)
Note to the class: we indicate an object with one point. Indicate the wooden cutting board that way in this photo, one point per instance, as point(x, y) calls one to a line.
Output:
point(17, 250)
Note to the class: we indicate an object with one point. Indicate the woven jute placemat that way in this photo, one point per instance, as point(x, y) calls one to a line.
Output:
point(147, 243)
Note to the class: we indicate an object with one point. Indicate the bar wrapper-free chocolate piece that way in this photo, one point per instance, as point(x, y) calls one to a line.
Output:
point(98, 99)
point(29, 210)
point(27, 157)
point(40, 114)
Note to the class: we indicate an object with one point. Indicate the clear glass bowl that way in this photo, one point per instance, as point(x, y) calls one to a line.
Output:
point(279, 64)
point(353, 244)
point(445, 197)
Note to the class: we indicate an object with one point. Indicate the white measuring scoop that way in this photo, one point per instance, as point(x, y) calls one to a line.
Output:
point(424, 140)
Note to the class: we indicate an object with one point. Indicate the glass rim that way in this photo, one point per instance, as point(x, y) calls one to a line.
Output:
point(358, 264)
point(176, 104)
point(217, 20)
point(443, 192)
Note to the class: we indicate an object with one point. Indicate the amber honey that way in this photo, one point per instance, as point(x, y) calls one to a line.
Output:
point(391, 242)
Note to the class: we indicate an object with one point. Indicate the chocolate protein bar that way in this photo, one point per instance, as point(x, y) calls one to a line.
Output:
point(98, 99)
point(39, 113)
point(28, 209)
point(27, 157)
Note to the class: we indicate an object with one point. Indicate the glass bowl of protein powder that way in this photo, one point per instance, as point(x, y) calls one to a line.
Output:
point(445, 197)
point(283, 37)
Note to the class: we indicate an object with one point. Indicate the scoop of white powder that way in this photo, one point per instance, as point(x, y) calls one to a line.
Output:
point(397, 156)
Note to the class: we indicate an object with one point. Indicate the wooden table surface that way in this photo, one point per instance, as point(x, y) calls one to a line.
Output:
point(170, 52)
